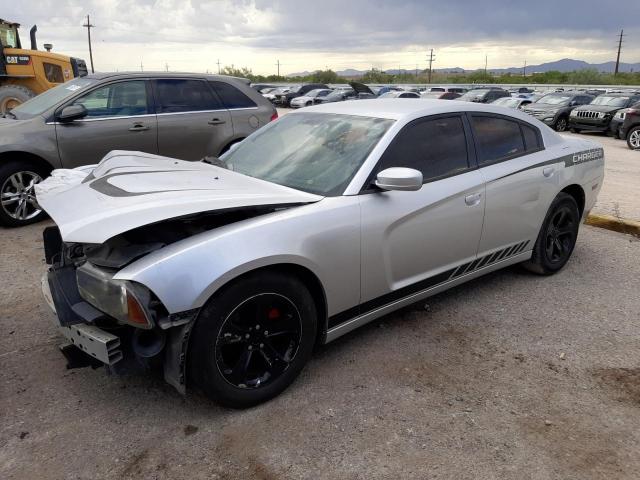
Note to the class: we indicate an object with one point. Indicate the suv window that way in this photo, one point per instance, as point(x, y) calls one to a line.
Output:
point(184, 95)
point(531, 138)
point(232, 97)
point(116, 100)
point(437, 147)
point(496, 138)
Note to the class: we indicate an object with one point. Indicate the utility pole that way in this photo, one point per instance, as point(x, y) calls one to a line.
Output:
point(278, 65)
point(524, 69)
point(416, 71)
point(166, 67)
point(218, 63)
point(619, 48)
point(485, 65)
point(88, 26)
point(141, 66)
point(431, 58)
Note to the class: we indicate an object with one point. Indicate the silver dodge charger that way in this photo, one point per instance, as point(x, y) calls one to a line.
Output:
point(226, 273)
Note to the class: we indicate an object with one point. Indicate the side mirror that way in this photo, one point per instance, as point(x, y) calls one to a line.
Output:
point(72, 112)
point(399, 178)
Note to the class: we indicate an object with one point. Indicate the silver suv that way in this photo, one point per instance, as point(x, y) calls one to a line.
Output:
point(186, 116)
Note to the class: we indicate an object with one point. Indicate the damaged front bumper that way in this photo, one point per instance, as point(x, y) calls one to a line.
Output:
point(95, 338)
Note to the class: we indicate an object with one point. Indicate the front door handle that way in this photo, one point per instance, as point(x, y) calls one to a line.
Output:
point(138, 127)
point(216, 121)
point(548, 171)
point(473, 199)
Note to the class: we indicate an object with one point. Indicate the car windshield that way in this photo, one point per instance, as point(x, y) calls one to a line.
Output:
point(43, 102)
point(391, 94)
point(554, 99)
point(314, 152)
point(507, 102)
point(315, 93)
point(473, 94)
point(610, 101)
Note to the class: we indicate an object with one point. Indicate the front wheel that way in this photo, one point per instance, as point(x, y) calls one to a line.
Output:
point(561, 124)
point(252, 339)
point(557, 237)
point(17, 194)
point(633, 138)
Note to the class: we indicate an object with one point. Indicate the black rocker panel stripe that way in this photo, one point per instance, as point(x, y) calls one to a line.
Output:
point(391, 297)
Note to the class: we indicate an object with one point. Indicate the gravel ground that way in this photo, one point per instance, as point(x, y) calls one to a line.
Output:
point(511, 376)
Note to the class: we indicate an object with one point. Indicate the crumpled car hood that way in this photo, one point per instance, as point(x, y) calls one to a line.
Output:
point(127, 190)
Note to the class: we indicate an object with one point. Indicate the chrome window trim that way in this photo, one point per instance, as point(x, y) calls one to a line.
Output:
point(191, 111)
point(99, 119)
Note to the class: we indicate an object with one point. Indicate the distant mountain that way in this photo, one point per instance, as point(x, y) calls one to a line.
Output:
point(570, 65)
point(564, 65)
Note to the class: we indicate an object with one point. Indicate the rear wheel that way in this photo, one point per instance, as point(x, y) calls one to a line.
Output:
point(13, 95)
point(252, 339)
point(18, 205)
point(557, 237)
point(633, 138)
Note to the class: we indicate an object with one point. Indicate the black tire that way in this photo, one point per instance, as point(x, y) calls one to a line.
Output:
point(13, 196)
point(561, 124)
point(12, 96)
point(240, 364)
point(633, 138)
point(308, 104)
point(557, 237)
point(575, 130)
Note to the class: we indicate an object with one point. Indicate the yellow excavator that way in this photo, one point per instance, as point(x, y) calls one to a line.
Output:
point(25, 73)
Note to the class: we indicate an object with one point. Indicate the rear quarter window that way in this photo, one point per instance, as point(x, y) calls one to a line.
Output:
point(231, 96)
point(497, 139)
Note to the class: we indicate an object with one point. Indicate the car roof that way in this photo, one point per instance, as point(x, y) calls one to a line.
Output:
point(107, 75)
point(408, 108)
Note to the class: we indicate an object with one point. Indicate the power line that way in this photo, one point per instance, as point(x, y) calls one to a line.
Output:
point(619, 48)
point(88, 26)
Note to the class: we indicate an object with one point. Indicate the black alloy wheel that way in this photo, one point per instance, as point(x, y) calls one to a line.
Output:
point(252, 338)
point(560, 235)
point(258, 340)
point(557, 237)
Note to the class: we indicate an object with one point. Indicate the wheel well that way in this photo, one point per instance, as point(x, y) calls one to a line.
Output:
point(577, 193)
point(228, 145)
point(26, 157)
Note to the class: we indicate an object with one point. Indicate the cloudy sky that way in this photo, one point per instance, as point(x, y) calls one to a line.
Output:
point(193, 35)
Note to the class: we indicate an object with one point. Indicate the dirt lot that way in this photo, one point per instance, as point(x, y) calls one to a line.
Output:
point(511, 376)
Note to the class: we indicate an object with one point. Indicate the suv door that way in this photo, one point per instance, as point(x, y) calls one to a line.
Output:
point(119, 117)
point(242, 109)
point(192, 122)
point(414, 240)
point(520, 182)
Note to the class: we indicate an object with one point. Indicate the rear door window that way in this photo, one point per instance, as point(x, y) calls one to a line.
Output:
point(437, 147)
point(175, 95)
point(231, 96)
point(496, 138)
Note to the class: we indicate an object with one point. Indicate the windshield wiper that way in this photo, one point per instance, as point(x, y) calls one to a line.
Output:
point(215, 161)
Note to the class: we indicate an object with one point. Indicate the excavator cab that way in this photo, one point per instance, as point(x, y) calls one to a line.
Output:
point(24, 73)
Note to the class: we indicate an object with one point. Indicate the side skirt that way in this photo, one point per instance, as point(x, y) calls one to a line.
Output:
point(456, 279)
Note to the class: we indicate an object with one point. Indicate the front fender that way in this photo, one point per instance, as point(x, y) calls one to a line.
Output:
point(323, 237)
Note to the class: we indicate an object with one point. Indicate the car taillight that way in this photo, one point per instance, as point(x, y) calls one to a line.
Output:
point(274, 116)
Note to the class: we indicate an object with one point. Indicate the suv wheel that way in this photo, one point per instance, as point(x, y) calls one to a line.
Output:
point(633, 138)
point(252, 339)
point(561, 124)
point(557, 236)
point(18, 205)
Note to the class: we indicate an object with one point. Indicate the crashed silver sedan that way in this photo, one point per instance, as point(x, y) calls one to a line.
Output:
point(226, 273)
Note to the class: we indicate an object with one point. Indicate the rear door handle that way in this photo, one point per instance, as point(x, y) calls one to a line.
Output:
point(216, 121)
point(548, 171)
point(138, 128)
point(473, 199)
